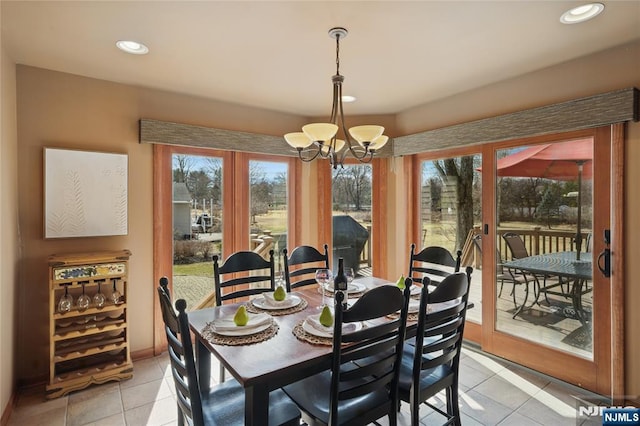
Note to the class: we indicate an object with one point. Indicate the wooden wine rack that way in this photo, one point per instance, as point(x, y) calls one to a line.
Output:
point(89, 346)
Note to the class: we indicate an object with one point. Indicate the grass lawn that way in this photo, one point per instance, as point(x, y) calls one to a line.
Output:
point(203, 269)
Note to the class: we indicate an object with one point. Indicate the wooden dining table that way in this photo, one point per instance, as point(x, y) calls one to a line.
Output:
point(267, 365)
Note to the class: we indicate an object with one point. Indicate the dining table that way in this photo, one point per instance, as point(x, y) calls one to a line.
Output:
point(270, 364)
point(564, 265)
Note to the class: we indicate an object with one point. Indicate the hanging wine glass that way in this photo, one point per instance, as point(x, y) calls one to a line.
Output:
point(66, 301)
point(98, 298)
point(115, 294)
point(83, 300)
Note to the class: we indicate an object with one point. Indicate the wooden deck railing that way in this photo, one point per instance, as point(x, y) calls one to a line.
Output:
point(537, 240)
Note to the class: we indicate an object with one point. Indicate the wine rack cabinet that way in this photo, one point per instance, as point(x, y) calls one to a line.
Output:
point(88, 344)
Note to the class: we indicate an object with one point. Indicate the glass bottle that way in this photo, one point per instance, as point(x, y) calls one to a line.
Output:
point(340, 282)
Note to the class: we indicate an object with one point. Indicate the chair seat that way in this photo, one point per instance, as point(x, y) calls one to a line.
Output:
point(313, 394)
point(224, 405)
point(428, 378)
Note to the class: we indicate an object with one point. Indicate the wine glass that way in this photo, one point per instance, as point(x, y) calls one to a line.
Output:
point(83, 299)
point(66, 301)
point(350, 275)
point(323, 277)
point(115, 294)
point(98, 298)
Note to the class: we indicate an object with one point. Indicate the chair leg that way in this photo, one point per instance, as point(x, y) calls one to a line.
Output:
point(415, 412)
point(221, 373)
point(180, 417)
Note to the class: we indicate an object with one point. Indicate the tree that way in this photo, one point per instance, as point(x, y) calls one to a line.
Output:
point(182, 165)
point(457, 176)
point(352, 186)
point(549, 207)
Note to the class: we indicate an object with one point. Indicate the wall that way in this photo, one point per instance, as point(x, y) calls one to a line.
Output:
point(606, 71)
point(63, 110)
point(9, 238)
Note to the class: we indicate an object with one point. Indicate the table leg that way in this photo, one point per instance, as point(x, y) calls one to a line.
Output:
point(256, 406)
point(203, 366)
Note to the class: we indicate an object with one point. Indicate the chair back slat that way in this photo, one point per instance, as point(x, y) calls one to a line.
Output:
point(426, 261)
point(516, 245)
point(252, 265)
point(300, 267)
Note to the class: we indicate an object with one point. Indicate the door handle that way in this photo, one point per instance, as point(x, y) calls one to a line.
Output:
point(604, 258)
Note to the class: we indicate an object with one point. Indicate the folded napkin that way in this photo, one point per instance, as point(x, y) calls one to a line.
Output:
point(269, 300)
point(314, 321)
point(255, 320)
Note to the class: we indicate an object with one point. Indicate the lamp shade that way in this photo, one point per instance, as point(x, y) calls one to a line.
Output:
point(320, 131)
point(298, 140)
point(379, 142)
point(327, 144)
point(366, 133)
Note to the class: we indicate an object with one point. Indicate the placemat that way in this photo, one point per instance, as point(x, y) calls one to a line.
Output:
point(352, 294)
point(277, 312)
point(413, 316)
point(299, 332)
point(218, 339)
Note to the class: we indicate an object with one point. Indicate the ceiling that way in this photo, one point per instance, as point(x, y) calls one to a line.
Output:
point(278, 55)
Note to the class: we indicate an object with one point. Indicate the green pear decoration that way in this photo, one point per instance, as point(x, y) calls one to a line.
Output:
point(326, 317)
point(241, 317)
point(279, 294)
point(400, 282)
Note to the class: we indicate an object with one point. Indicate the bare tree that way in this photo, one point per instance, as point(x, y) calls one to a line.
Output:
point(353, 186)
point(182, 165)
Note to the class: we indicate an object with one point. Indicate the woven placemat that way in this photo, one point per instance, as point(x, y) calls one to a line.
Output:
point(219, 339)
point(352, 294)
point(299, 332)
point(277, 312)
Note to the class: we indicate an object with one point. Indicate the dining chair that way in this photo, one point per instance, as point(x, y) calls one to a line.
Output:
point(300, 267)
point(359, 388)
point(252, 266)
point(224, 403)
point(253, 279)
point(432, 365)
point(426, 261)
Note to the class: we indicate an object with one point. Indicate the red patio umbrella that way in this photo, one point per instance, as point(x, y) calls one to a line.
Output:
point(560, 161)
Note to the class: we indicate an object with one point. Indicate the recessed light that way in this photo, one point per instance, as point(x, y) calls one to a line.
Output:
point(348, 98)
point(581, 13)
point(132, 47)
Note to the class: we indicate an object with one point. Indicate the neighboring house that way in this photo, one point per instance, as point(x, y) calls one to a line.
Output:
point(181, 211)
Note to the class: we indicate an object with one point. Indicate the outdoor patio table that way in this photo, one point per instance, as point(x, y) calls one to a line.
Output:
point(561, 264)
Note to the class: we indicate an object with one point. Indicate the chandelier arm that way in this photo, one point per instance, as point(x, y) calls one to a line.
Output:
point(307, 159)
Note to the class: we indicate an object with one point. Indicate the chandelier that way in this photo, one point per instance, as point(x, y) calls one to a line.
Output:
point(320, 140)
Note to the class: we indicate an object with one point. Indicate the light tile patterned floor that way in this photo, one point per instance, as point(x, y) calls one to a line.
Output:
point(493, 392)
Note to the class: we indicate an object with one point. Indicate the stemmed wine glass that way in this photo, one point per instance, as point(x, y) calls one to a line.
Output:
point(98, 298)
point(115, 294)
point(66, 301)
point(350, 275)
point(83, 299)
point(323, 277)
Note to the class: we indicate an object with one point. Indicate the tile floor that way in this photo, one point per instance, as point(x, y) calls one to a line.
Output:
point(493, 392)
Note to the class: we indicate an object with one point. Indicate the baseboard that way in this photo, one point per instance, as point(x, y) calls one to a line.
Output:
point(142, 354)
point(6, 413)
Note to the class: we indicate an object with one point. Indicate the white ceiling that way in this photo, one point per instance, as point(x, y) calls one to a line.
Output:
point(277, 55)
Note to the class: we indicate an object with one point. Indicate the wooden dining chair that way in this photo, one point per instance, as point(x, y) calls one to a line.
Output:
point(432, 364)
point(257, 275)
point(360, 388)
point(224, 403)
point(300, 267)
point(426, 261)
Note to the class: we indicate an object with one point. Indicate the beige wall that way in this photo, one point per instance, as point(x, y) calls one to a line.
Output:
point(9, 237)
point(63, 110)
point(607, 71)
point(56, 109)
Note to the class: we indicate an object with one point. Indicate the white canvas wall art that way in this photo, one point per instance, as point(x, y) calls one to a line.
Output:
point(85, 193)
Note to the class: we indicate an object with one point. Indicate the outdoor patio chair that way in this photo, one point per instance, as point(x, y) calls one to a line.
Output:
point(224, 403)
point(359, 388)
point(432, 364)
point(427, 261)
point(301, 266)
